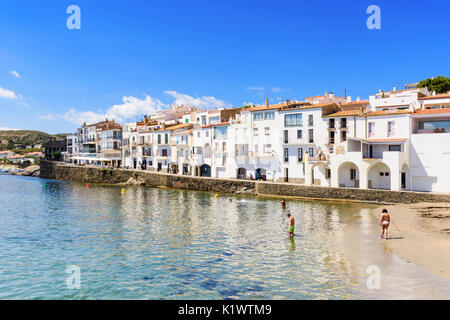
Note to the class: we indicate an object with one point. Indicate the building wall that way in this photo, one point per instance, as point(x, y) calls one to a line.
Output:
point(429, 162)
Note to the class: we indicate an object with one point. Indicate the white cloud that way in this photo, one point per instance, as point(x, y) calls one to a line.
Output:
point(6, 129)
point(133, 107)
point(130, 108)
point(200, 102)
point(48, 117)
point(15, 74)
point(277, 89)
point(256, 88)
point(7, 94)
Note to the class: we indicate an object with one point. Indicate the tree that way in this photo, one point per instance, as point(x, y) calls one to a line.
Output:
point(440, 84)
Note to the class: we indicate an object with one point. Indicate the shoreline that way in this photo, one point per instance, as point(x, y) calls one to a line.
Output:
point(420, 234)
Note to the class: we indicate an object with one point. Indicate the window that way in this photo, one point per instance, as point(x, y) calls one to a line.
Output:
point(245, 132)
point(391, 128)
point(286, 136)
point(310, 120)
point(440, 126)
point(331, 124)
point(198, 134)
point(300, 154)
point(327, 174)
point(267, 131)
point(214, 120)
point(258, 116)
point(299, 134)
point(220, 132)
point(256, 148)
point(395, 147)
point(159, 139)
point(352, 174)
point(164, 152)
point(166, 138)
point(286, 154)
point(371, 129)
point(344, 123)
point(267, 148)
point(269, 115)
point(197, 150)
point(207, 134)
point(311, 135)
point(311, 152)
point(293, 120)
point(343, 135)
point(255, 132)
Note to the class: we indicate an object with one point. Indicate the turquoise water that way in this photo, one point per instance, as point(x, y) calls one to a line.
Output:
point(170, 244)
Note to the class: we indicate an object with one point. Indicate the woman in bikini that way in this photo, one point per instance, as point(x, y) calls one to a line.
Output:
point(384, 223)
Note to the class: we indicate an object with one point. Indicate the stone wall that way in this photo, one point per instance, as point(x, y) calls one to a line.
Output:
point(48, 169)
point(154, 179)
point(371, 195)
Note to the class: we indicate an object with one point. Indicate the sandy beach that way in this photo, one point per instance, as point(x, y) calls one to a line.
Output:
point(420, 233)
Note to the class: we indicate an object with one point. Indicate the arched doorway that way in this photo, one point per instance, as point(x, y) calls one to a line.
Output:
point(205, 171)
point(348, 175)
point(260, 174)
point(242, 173)
point(379, 176)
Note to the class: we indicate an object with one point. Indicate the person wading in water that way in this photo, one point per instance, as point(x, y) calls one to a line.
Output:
point(291, 225)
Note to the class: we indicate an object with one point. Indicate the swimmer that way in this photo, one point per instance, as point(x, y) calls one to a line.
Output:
point(384, 223)
point(283, 203)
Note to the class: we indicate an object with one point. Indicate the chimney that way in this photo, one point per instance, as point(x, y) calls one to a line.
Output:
point(267, 102)
point(394, 88)
point(326, 94)
point(349, 99)
point(331, 95)
point(358, 99)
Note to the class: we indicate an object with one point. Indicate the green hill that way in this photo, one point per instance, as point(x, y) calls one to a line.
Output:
point(13, 139)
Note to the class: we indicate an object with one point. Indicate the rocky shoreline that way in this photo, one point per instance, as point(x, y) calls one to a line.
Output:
point(31, 171)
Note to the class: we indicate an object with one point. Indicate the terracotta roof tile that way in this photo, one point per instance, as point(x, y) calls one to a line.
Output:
point(384, 113)
point(432, 111)
point(438, 96)
point(344, 113)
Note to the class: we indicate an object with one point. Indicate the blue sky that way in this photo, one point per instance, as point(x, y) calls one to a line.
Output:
point(132, 57)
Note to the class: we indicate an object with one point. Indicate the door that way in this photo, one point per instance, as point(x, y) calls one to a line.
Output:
point(286, 175)
point(403, 180)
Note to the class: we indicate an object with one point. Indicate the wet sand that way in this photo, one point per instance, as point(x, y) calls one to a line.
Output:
point(420, 233)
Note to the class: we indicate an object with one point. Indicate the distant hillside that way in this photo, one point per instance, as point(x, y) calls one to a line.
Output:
point(11, 139)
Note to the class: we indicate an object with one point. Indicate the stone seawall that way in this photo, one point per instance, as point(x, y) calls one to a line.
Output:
point(53, 170)
point(351, 194)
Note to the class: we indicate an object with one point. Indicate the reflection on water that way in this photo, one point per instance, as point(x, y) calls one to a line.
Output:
point(170, 244)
